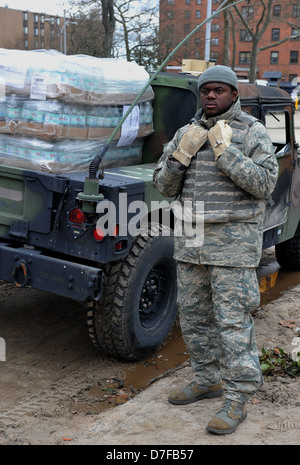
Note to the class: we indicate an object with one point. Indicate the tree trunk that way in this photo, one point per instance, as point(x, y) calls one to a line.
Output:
point(253, 61)
point(233, 40)
point(108, 21)
point(226, 50)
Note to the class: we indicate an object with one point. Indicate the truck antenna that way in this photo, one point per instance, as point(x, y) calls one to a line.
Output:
point(95, 163)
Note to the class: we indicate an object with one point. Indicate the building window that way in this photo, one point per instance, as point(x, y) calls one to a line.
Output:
point(276, 11)
point(247, 12)
point(244, 58)
point(275, 34)
point(294, 57)
point(245, 36)
point(214, 41)
point(170, 14)
point(274, 58)
point(198, 2)
point(214, 55)
point(187, 28)
point(187, 2)
point(198, 14)
point(187, 14)
point(296, 11)
point(215, 27)
point(25, 16)
point(36, 31)
point(294, 33)
point(170, 2)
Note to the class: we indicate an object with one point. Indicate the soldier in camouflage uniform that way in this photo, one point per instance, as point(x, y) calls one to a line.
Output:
point(225, 159)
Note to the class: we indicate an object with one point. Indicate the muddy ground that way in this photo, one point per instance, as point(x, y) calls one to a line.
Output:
point(55, 388)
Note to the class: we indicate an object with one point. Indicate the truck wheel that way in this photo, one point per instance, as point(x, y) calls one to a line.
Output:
point(138, 306)
point(288, 252)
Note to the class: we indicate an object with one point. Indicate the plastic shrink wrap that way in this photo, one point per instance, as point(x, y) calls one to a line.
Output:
point(57, 110)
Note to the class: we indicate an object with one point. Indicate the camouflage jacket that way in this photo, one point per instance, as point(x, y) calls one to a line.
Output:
point(250, 165)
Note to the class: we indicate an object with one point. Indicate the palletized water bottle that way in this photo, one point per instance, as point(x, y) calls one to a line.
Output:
point(53, 113)
point(77, 117)
point(13, 108)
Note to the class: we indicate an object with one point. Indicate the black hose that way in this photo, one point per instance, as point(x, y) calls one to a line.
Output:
point(94, 165)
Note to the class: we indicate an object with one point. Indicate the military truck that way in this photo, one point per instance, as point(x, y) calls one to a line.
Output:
point(51, 225)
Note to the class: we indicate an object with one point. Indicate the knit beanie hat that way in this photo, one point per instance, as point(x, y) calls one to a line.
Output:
point(219, 73)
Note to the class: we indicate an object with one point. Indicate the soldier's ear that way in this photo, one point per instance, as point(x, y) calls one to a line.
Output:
point(235, 95)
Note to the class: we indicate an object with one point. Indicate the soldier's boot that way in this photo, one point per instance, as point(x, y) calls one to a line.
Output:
point(193, 392)
point(228, 418)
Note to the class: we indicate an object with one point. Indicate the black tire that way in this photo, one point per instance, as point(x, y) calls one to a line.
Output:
point(138, 307)
point(288, 252)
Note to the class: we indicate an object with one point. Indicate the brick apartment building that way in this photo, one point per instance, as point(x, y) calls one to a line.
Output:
point(179, 17)
point(25, 30)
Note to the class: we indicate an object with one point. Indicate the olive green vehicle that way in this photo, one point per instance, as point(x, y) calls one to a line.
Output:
point(50, 225)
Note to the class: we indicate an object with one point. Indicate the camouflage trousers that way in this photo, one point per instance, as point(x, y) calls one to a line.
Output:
point(218, 330)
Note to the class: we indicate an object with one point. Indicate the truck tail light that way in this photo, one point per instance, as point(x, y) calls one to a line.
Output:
point(121, 246)
point(98, 234)
point(116, 231)
point(76, 216)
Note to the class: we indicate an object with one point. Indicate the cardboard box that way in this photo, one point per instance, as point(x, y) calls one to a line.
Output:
point(196, 67)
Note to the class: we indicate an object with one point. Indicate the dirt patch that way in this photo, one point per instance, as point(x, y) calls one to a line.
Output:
point(55, 388)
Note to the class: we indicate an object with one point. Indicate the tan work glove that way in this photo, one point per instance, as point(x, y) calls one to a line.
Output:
point(191, 141)
point(220, 137)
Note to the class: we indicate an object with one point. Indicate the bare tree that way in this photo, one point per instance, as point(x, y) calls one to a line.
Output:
point(95, 28)
point(226, 50)
point(116, 28)
point(137, 30)
point(256, 27)
point(108, 21)
point(88, 35)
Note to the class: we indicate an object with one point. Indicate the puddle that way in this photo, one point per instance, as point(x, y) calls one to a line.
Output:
point(171, 355)
point(109, 393)
point(106, 394)
point(285, 280)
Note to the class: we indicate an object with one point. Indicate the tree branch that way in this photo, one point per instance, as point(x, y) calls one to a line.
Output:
point(279, 42)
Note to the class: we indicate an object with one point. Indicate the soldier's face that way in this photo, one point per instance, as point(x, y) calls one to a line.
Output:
point(217, 98)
